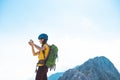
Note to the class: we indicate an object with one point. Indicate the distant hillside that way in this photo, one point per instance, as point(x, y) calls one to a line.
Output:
point(98, 68)
point(55, 76)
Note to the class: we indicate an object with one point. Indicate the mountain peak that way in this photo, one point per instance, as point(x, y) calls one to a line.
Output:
point(98, 68)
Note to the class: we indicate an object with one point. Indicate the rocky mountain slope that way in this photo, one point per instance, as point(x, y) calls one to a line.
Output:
point(98, 68)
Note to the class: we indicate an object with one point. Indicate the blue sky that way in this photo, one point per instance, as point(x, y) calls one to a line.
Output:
point(85, 28)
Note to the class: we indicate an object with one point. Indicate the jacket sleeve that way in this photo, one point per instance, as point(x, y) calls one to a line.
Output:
point(46, 50)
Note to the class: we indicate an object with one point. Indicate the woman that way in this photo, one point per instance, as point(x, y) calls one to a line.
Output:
point(42, 54)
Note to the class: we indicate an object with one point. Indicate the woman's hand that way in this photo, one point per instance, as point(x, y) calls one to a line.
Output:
point(31, 43)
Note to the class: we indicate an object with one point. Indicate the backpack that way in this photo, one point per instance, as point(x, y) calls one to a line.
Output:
point(50, 61)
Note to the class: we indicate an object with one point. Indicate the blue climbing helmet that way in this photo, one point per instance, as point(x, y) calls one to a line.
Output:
point(43, 36)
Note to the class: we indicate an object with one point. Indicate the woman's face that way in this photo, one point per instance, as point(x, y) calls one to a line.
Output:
point(41, 41)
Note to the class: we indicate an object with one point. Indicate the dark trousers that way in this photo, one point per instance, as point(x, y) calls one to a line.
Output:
point(41, 73)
